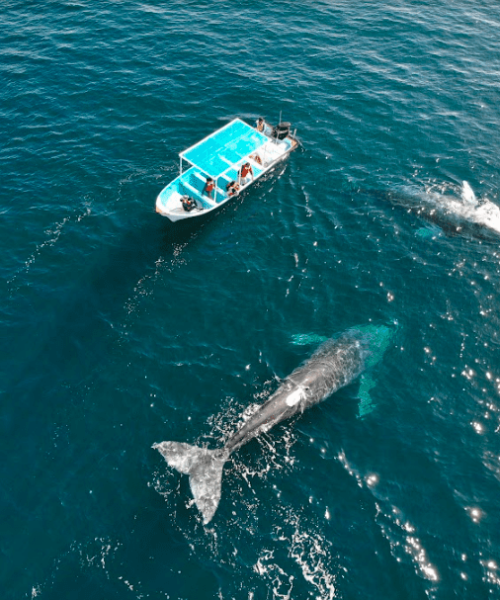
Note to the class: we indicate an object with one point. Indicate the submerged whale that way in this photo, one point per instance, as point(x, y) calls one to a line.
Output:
point(336, 363)
point(454, 214)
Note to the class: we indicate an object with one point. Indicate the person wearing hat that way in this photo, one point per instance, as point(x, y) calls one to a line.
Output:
point(188, 203)
point(232, 188)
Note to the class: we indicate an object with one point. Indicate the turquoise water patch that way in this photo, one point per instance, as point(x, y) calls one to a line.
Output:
point(429, 232)
point(305, 339)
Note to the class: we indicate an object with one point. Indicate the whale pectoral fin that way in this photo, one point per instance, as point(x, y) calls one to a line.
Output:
point(366, 405)
point(305, 339)
point(429, 233)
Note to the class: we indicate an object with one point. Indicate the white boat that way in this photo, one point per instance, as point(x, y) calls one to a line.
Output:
point(229, 160)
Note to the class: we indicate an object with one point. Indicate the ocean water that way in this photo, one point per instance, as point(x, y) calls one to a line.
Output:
point(120, 329)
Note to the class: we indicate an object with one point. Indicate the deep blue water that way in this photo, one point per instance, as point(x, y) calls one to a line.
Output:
point(120, 329)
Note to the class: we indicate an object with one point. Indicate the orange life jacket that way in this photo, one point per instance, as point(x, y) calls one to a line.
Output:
point(245, 170)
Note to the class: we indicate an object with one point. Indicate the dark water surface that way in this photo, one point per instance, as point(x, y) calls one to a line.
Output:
point(120, 330)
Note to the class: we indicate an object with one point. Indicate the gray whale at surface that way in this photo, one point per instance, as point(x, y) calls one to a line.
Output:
point(335, 364)
point(463, 214)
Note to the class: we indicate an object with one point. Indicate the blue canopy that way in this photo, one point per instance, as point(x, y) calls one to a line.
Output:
point(225, 147)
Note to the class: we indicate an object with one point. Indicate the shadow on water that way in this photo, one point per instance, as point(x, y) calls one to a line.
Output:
point(56, 354)
point(68, 333)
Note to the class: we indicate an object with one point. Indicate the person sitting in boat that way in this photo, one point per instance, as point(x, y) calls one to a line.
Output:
point(245, 171)
point(263, 127)
point(256, 158)
point(209, 187)
point(188, 203)
point(232, 188)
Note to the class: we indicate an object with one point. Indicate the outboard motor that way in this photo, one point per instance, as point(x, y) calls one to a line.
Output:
point(281, 131)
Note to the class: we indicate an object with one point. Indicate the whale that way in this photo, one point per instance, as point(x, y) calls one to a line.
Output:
point(336, 363)
point(455, 214)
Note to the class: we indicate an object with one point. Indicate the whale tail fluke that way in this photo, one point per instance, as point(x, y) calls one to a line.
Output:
point(204, 468)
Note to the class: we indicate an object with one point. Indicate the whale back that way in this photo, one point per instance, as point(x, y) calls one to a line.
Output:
point(336, 363)
point(333, 365)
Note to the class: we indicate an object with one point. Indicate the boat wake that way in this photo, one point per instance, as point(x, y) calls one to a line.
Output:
point(53, 233)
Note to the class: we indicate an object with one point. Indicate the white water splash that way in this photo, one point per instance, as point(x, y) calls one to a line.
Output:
point(467, 210)
point(280, 582)
point(308, 549)
point(467, 194)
